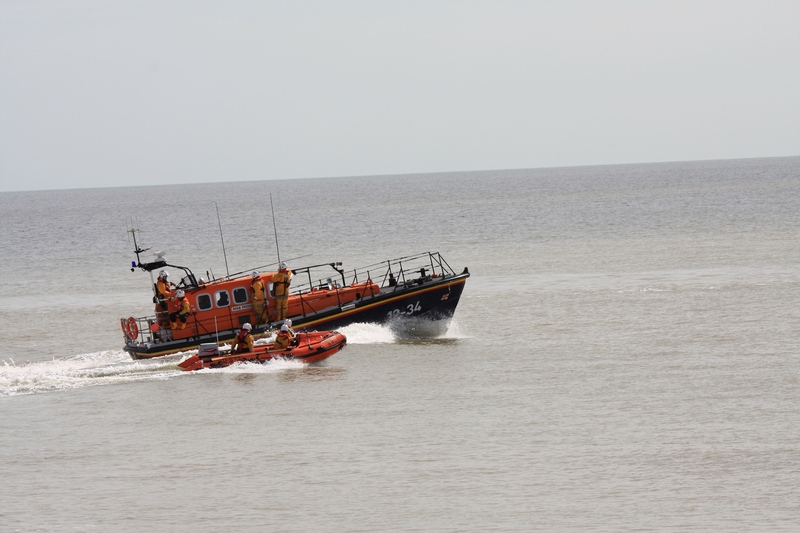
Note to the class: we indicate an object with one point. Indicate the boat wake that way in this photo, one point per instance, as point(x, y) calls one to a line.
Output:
point(111, 368)
point(86, 370)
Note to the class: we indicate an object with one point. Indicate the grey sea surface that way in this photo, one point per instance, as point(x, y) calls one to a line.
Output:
point(625, 356)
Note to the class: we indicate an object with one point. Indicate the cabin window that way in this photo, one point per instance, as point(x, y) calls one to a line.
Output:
point(203, 302)
point(222, 298)
point(239, 295)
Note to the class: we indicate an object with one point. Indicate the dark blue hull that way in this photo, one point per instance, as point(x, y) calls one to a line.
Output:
point(432, 301)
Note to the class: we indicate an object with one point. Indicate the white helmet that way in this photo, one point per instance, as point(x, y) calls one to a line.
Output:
point(247, 326)
point(282, 265)
point(288, 322)
point(284, 328)
point(163, 274)
point(180, 293)
point(255, 274)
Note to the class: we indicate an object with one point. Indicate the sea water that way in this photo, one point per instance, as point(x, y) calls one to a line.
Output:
point(624, 357)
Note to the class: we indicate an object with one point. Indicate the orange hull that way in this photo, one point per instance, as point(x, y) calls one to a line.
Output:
point(309, 348)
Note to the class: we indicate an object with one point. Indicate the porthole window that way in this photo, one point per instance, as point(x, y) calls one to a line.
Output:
point(203, 302)
point(239, 295)
point(222, 298)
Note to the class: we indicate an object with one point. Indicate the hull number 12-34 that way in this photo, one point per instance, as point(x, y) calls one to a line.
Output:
point(408, 310)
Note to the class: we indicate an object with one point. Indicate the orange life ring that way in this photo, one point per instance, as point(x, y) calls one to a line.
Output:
point(130, 328)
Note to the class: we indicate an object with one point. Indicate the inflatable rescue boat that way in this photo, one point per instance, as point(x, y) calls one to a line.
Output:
point(417, 293)
point(307, 348)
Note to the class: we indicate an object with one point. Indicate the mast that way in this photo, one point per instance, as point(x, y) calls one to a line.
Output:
point(275, 228)
point(223, 241)
point(138, 263)
point(136, 249)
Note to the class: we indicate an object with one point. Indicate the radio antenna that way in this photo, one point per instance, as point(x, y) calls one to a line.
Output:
point(274, 228)
point(223, 241)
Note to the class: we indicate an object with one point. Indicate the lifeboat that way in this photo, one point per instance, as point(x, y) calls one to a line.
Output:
point(413, 290)
point(308, 348)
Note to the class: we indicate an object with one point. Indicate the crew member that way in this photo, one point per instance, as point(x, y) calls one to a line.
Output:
point(244, 340)
point(259, 298)
point(182, 312)
point(280, 282)
point(164, 294)
point(284, 338)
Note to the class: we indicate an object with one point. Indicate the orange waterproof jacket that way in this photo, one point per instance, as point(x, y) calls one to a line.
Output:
point(281, 280)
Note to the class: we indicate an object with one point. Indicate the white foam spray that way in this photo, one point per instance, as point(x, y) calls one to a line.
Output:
point(368, 334)
point(86, 370)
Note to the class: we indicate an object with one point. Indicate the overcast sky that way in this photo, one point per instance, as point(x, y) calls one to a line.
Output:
point(97, 93)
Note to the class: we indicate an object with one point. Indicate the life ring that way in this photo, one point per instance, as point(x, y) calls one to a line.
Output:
point(130, 328)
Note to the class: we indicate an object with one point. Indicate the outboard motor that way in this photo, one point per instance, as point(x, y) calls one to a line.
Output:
point(208, 349)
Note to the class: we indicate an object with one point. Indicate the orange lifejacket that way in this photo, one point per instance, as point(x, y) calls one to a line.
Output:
point(282, 340)
point(280, 281)
point(258, 290)
point(244, 342)
point(163, 289)
point(183, 306)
